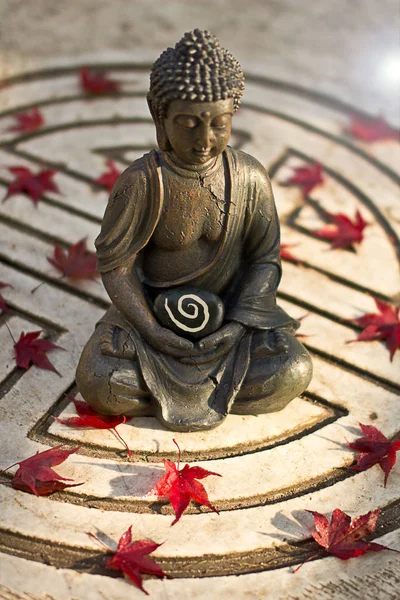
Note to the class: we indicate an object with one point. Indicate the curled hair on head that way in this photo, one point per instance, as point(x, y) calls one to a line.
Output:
point(197, 69)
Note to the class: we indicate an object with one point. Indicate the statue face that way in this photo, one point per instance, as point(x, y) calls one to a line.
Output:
point(198, 131)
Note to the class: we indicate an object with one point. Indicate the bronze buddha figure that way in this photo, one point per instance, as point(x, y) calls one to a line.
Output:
point(189, 255)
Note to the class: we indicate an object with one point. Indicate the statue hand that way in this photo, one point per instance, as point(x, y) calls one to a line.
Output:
point(227, 336)
point(167, 342)
point(217, 344)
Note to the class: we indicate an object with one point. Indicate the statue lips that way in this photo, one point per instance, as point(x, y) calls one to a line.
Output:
point(203, 155)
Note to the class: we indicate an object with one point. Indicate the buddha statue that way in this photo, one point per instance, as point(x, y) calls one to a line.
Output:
point(189, 255)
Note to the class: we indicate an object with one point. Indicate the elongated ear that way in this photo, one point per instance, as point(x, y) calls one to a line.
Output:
point(162, 140)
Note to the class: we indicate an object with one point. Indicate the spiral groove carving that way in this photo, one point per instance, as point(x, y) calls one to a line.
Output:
point(189, 315)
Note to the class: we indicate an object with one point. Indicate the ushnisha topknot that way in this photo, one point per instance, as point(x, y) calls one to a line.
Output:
point(197, 69)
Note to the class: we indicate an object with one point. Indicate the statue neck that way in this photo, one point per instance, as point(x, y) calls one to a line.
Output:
point(187, 170)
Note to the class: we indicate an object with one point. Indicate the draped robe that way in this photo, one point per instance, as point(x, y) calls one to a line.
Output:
point(244, 269)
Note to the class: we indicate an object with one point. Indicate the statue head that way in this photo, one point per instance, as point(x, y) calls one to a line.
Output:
point(196, 74)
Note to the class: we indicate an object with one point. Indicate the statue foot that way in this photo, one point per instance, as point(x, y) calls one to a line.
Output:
point(273, 381)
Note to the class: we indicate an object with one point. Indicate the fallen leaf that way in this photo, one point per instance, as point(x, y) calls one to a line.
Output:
point(3, 305)
point(90, 418)
point(286, 254)
point(36, 476)
point(384, 326)
point(342, 537)
point(29, 349)
point(93, 82)
point(76, 262)
point(108, 178)
point(307, 178)
point(372, 129)
point(31, 184)
point(180, 486)
point(131, 558)
point(375, 449)
point(302, 335)
point(28, 121)
point(342, 231)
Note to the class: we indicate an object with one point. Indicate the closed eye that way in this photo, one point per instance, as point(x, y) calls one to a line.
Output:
point(222, 121)
point(186, 121)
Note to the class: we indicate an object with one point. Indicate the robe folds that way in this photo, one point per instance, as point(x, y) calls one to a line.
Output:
point(244, 270)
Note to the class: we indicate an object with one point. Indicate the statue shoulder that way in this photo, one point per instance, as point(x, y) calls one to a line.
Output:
point(136, 177)
point(256, 174)
point(131, 214)
point(254, 168)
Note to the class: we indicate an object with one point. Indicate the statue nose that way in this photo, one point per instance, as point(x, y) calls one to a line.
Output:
point(205, 138)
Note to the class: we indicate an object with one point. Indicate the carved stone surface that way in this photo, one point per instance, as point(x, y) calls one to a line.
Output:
point(192, 313)
point(274, 466)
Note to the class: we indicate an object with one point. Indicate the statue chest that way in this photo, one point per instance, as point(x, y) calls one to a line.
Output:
point(193, 209)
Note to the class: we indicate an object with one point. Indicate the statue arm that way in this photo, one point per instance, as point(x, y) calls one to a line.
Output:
point(126, 292)
point(255, 298)
point(254, 305)
point(259, 279)
point(129, 220)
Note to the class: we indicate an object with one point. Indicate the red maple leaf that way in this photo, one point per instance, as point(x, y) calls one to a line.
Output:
point(384, 326)
point(180, 486)
point(131, 558)
point(29, 349)
point(342, 537)
point(108, 178)
point(342, 231)
point(286, 254)
point(76, 263)
point(93, 82)
point(31, 184)
point(298, 334)
point(90, 418)
point(307, 178)
point(28, 121)
point(36, 476)
point(375, 449)
point(372, 129)
point(3, 305)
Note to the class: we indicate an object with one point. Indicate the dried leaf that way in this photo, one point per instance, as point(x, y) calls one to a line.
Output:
point(28, 121)
point(306, 178)
point(180, 486)
point(76, 263)
point(36, 476)
point(131, 558)
point(95, 83)
point(375, 449)
point(298, 334)
point(90, 418)
point(3, 305)
point(384, 326)
point(342, 537)
point(31, 184)
point(29, 349)
point(286, 254)
point(108, 178)
point(343, 233)
point(374, 129)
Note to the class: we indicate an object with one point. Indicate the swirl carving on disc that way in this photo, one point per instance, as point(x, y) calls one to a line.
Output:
point(188, 315)
point(190, 312)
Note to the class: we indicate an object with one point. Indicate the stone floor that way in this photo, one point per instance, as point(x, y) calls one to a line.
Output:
point(296, 109)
